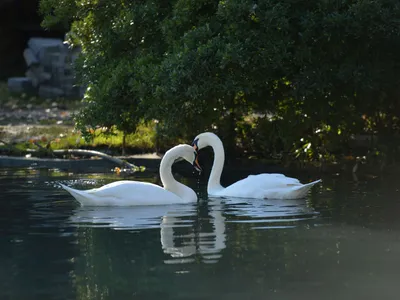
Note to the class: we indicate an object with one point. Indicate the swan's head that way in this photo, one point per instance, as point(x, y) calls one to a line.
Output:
point(189, 154)
point(203, 140)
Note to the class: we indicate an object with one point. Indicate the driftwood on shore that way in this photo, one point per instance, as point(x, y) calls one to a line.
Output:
point(82, 152)
point(66, 159)
point(126, 166)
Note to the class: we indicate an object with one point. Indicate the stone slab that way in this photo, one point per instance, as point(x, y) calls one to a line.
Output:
point(42, 46)
point(50, 92)
point(19, 85)
point(30, 58)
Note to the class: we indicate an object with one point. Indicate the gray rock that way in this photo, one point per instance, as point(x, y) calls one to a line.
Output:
point(53, 59)
point(41, 47)
point(37, 75)
point(68, 71)
point(50, 69)
point(50, 92)
point(30, 58)
point(59, 76)
point(72, 91)
point(67, 80)
point(35, 80)
point(20, 85)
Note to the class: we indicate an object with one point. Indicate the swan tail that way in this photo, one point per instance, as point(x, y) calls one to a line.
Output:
point(80, 196)
point(301, 191)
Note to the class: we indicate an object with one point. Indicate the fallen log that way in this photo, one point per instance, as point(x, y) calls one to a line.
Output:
point(126, 167)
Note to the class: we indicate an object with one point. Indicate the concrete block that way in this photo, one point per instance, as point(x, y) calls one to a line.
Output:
point(35, 81)
point(41, 47)
point(30, 58)
point(72, 91)
point(66, 79)
point(19, 85)
point(47, 91)
point(68, 71)
point(50, 69)
point(54, 59)
point(38, 73)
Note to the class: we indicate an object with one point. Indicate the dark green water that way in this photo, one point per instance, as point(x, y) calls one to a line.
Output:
point(343, 242)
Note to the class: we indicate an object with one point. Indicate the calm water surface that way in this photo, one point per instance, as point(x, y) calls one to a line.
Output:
point(343, 242)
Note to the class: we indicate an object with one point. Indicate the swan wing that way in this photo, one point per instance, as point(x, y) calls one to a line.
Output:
point(266, 181)
point(268, 186)
point(125, 193)
point(120, 189)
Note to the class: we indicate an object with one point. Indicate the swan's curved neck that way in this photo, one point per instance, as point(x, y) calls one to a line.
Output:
point(168, 179)
point(214, 182)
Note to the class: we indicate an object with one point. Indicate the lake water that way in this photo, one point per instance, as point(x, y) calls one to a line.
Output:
point(343, 242)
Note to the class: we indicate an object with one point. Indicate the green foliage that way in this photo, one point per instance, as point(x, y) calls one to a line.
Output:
point(64, 137)
point(119, 42)
point(323, 71)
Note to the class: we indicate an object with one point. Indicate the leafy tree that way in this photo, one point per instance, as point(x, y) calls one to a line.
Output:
point(219, 64)
point(317, 72)
point(316, 66)
point(119, 41)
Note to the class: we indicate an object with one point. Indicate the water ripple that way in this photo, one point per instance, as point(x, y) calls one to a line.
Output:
point(274, 213)
point(183, 236)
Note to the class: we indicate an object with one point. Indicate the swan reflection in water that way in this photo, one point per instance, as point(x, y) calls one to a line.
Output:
point(182, 236)
point(269, 214)
point(185, 233)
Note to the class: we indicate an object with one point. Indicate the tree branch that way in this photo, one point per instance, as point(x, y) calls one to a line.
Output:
point(128, 167)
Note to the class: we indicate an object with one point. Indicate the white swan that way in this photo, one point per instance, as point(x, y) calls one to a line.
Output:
point(262, 186)
point(131, 193)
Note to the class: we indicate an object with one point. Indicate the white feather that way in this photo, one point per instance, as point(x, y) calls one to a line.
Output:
point(262, 186)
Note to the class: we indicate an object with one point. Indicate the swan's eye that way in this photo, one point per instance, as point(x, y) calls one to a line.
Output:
point(195, 144)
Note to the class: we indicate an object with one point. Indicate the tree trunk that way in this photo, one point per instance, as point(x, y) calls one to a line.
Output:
point(123, 143)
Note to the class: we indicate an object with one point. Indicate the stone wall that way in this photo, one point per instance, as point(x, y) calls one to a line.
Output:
point(49, 71)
